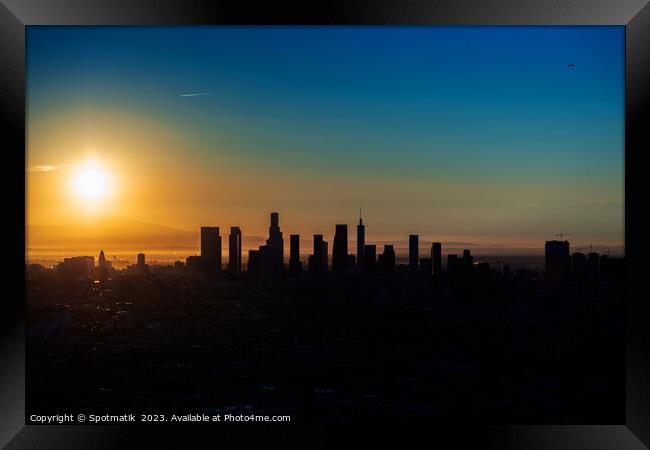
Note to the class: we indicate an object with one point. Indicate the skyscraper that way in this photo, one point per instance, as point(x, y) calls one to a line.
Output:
point(468, 260)
point(325, 255)
point(76, 267)
point(436, 257)
point(579, 265)
point(317, 253)
point(254, 264)
point(102, 265)
point(414, 252)
point(267, 259)
point(234, 250)
point(557, 261)
point(340, 249)
point(361, 241)
point(593, 262)
point(211, 248)
point(318, 260)
point(387, 259)
point(141, 267)
point(275, 244)
point(370, 254)
point(295, 266)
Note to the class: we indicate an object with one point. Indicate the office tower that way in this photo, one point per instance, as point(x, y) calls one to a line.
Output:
point(315, 261)
point(275, 244)
point(267, 259)
point(425, 266)
point(414, 253)
point(370, 255)
point(295, 266)
point(141, 266)
point(102, 266)
point(318, 262)
point(468, 260)
point(579, 265)
point(361, 241)
point(593, 262)
point(452, 263)
point(254, 261)
point(340, 249)
point(387, 259)
point(556, 260)
point(76, 267)
point(234, 250)
point(211, 248)
point(436, 257)
point(325, 263)
point(318, 247)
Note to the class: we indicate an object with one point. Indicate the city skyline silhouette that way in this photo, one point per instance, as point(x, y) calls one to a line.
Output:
point(273, 257)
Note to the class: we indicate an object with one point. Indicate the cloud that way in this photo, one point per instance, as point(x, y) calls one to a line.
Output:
point(46, 168)
point(196, 94)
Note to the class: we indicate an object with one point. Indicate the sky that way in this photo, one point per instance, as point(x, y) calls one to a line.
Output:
point(483, 135)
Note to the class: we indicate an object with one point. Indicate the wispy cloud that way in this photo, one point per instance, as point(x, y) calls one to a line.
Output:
point(46, 168)
point(194, 94)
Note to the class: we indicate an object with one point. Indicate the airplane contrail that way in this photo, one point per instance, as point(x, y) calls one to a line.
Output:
point(194, 95)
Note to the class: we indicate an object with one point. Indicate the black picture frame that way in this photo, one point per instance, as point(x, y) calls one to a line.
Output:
point(15, 15)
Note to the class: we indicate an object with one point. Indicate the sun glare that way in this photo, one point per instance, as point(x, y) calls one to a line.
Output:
point(91, 183)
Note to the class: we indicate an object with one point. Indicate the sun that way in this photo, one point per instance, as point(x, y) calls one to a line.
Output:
point(90, 183)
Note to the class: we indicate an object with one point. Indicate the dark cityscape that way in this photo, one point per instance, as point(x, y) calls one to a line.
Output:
point(444, 336)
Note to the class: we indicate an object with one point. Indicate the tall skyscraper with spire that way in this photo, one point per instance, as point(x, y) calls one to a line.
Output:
point(275, 244)
point(361, 241)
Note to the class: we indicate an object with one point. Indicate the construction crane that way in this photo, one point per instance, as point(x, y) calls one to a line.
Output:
point(564, 234)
